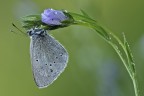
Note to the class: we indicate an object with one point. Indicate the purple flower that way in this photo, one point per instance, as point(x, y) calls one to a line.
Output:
point(53, 17)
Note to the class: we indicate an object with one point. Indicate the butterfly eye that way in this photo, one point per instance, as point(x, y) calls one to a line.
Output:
point(42, 32)
point(29, 32)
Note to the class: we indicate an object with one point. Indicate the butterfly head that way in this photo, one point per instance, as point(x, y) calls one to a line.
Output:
point(36, 31)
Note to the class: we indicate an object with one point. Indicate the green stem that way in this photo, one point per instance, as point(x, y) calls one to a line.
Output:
point(128, 66)
point(132, 75)
point(106, 34)
point(135, 83)
point(122, 59)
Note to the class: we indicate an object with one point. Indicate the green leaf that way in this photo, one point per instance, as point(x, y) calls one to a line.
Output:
point(33, 18)
point(130, 56)
point(102, 32)
point(128, 48)
point(68, 21)
point(85, 14)
point(31, 21)
point(81, 17)
point(87, 21)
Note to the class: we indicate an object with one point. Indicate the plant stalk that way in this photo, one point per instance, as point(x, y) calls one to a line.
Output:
point(101, 31)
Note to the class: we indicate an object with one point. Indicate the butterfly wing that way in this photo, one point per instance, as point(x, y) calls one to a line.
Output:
point(49, 59)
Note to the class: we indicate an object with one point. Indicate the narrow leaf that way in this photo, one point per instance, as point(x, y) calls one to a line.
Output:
point(130, 56)
point(102, 32)
point(85, 14)
point(33, 18)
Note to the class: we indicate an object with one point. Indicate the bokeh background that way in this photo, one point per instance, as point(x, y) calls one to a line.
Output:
point(94, 69)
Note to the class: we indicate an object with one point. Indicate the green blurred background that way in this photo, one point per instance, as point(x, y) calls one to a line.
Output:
point(94, 69)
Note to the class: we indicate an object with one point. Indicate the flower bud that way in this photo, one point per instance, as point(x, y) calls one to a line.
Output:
point(53, 17)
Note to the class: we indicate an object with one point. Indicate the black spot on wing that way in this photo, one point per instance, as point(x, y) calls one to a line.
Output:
point(51, 70)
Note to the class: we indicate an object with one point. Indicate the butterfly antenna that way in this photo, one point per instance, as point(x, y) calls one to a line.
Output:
point(18, 29)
